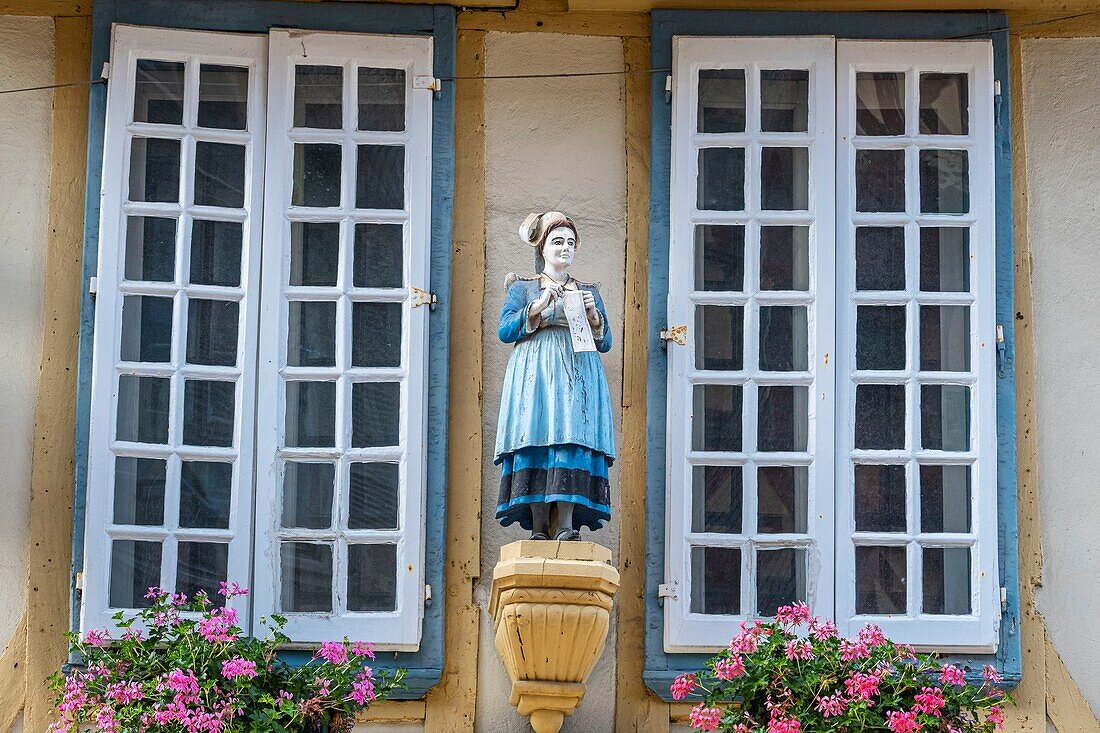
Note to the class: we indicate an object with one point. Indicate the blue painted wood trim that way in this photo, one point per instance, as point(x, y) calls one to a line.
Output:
point(425, 667)
point(661, 668)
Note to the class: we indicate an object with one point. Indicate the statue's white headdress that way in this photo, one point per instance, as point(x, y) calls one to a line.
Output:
point(535, 227)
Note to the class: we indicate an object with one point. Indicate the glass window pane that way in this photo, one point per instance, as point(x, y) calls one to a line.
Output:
point(216, 253)
point(782, 499)
point(945, 259)
point(783, 338)
point(880, 103)
point(379, 256)
point(311, 333)
point(155, 170)
point(314, 253)
point(223, 97)
point(782, 418)
point(945, 338)
point(375, 414)
point(212, 332)
point(880, 498)
point(380, 177)
point(310, 414)
point(719, 337)
point(944, 104)
point(381, 99)
point(945, 498)
point(946, 581)
point(784, 100)
point(205, 492)
point(716, 499)
point(139, 491)
point(721, 181)
point(307, 495)
point(146, 329)
point(784, 179)
point(208, 409)
point(780, 579)
point(716, 580)
point(880, 416)
point(374, 501)
point(142, 409)
point(880, 580)
point(784, 258)
point(880, 258)
point(372, 577)
point(720, 258)
point(721, 100)
point(306, 577)
point(880, 337)
point(945, 417)
point(880, 180)
point(944, 182)
point(135, 568)
point(150, 249)
point(318, 96)
point(716, 417)
point(158, 92)
point(376, 334)
point(219, 175)
point(202, 566)
point(316, 175)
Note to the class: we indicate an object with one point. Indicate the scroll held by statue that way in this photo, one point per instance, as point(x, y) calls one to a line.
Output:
point(579, 328)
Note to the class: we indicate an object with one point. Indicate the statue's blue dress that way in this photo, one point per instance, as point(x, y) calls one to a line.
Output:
point(555, 434)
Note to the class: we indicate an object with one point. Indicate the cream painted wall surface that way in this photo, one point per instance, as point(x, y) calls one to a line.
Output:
point(1062, 137)
point(550, 144)
point(26, 59)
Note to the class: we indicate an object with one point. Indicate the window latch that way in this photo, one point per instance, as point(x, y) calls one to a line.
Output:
point(427, 594)
point(676, 334)
point(93, 286)
point(422, 297)
point(668, 88)
point(667, 590)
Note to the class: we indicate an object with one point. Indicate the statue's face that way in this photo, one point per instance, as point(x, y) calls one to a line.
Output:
point(560, 246)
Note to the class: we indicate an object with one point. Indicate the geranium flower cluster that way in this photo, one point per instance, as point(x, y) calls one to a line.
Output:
point(185, 666)
point(796, 674)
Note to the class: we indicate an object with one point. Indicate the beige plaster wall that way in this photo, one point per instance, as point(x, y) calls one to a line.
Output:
point(26, 59)
point(550, 144)
point(1062, 135)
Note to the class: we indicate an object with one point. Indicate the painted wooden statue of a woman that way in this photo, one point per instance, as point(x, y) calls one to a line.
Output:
point(555, 435)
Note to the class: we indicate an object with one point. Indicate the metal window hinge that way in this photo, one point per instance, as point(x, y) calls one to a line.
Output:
point(1001, 350)
point(1004, 598)
point(422, 297)
point(676, 334)
point(667, 590)
point(996, 87)
point(427, 82)
point(427, 594)
point(668, 88)
point(105, 72)
point(93, 286)
point(78, 582)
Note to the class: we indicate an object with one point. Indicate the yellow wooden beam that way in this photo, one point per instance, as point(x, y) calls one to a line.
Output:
point(46, 8)
point(450, 705)
point(1064, 7)
point(1066, 706)
point(550, 21)
point(636, 709)
point(393, 711)
point(55, 413)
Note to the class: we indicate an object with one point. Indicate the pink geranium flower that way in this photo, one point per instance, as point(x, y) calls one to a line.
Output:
point(902, 721)
point(682, 686)
point(704, 718)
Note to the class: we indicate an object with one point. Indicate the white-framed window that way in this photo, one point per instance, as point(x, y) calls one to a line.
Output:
point(831, 417)
point(224, 295)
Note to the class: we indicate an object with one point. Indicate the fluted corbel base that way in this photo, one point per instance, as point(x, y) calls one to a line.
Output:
point(551, 605)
